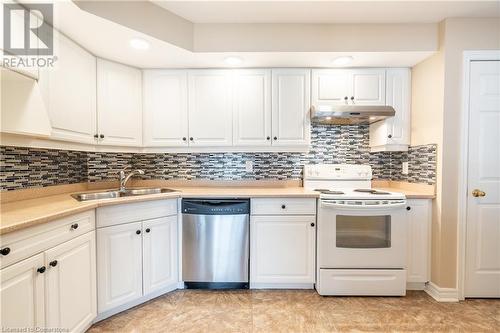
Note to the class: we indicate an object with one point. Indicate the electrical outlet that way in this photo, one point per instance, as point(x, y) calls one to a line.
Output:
point(248, 166)
point(405, 168)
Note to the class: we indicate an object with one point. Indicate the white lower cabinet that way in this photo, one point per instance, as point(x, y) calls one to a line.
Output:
point(282, 251)
point(119, 263)
point(22, 294)
point(160, 254)
point(71, 284)
point(419, 225)
point(136, 258)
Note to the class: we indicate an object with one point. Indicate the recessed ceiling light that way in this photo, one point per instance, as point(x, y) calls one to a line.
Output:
point(139, 44)
point(233, 61)
point(342, 61)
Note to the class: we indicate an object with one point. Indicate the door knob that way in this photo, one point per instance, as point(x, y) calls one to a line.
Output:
point(478, 193)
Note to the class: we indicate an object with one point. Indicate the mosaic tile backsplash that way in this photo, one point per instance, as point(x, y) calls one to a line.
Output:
point(28, 167)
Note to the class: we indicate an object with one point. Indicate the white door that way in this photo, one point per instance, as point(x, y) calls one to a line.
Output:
point(210, 108)
point(165, 112)
point(483, 207)
point(22, 294)
point(282, 249)
point(119, 265)
point(160, 254)
point(70, 92)
point(330, 87)
point(291, 103)
point(71, 284)
point(252, 108)
point(367, 87)
point(119, 104)
point(419, 223)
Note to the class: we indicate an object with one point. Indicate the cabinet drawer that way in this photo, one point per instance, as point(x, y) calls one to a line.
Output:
point(27, 242)
point(132, 212)
point(283, 206)
point(366, 282)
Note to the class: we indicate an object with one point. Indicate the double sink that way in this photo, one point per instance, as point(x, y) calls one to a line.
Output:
point(110, 194)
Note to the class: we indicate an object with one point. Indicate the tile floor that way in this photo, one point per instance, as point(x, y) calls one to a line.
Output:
point(302, 311)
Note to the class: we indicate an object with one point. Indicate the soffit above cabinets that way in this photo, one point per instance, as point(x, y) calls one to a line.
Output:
point(110, 40)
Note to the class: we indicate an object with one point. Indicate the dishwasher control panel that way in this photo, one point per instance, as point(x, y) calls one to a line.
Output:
point(216, 206)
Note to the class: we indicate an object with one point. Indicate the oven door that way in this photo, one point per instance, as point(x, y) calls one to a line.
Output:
point(365, 236)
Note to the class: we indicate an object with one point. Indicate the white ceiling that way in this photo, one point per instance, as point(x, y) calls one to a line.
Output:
point(110, 40)
point(374, 11)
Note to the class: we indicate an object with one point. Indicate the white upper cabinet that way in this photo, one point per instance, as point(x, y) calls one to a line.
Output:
point(252, 107)
point(165, 112)
point(69, 91)
point(367, 87)
point(345, 86)
point(393, 134)
point(210, 108)
point(290, 107)
point(119, 104)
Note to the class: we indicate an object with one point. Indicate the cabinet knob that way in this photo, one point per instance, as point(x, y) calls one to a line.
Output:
point(74, 226)
point(275, 138)
point(41, 269)
point(312, 224)
point(148, 230)
point(352, 98)
point(96, 136)
point(389, 136)
point(268, 138)
point(283, 206)
point(101, 136)
point(53, 263)
point(138, 232)
point(5, 251)
point(408, 208)
point(184, 139)
point(346, 98)
point(191, 139)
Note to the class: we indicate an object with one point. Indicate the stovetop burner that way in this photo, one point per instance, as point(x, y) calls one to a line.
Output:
point(326, 191)
point(371, 191)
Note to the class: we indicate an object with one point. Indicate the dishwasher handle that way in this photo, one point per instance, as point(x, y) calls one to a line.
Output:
point(216, 206)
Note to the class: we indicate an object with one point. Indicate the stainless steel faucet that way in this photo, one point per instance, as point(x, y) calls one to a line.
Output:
point(125, 178)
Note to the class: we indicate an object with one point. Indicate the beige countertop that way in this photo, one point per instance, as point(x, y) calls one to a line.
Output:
point(20, 214)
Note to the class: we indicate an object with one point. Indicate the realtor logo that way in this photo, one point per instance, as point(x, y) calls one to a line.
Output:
point(26, 29)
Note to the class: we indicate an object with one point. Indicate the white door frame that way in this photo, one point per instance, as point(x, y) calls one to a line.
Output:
point(468, 57)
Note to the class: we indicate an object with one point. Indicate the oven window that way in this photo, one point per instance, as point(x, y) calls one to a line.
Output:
point(363, 232)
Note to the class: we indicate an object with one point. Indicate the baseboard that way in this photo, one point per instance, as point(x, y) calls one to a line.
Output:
point(415, 285)
point(441, 294)
point(281, 285)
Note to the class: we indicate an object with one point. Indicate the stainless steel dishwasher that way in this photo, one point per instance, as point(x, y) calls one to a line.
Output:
point(215, 243)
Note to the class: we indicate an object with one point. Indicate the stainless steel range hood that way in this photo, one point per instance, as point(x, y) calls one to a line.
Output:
point(350, 114)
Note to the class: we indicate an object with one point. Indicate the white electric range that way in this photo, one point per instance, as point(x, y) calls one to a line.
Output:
point(362, 233)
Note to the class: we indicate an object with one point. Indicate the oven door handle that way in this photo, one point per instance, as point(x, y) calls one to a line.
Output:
point(399, 204)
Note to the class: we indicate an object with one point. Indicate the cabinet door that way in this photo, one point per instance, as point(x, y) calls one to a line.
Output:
point(291, 103)
point(282, 249)
point(393, 134)
point(398, 96)
point(330, 87)
point(119, 104)
point(252, 108)
point(71, 283)
point(419, 221)
point(210, 108)
point(368, 87)
point(160, 254)
point(165, 112)
point(69, 91)
point(119, 265)
point(22, 294)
